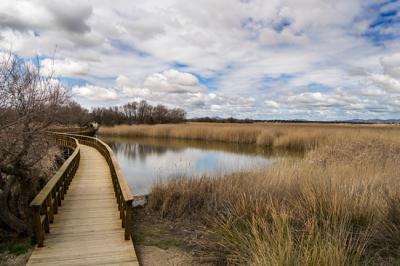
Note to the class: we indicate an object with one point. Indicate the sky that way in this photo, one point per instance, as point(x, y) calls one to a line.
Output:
point(275, 59)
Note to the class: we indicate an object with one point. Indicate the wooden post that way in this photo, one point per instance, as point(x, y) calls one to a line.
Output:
point(50, 211)
point(65, 182)
point(46, 218)
point(122, 213)
point(54, 200)
point(58, 189)
point(39, 234)
point(128, 219)
point(62, 190)
point(120, 204)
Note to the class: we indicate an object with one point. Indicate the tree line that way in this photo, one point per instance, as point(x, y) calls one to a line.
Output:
point(131, 113)
point(138, 113)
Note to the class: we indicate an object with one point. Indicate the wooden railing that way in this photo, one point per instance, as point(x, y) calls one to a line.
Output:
point(45, 204)
point(87, 131)
point(122, 192)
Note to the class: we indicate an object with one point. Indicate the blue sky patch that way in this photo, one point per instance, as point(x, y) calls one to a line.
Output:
point(317, 87)
point(128, 48)
point(71, 82)
point(273, 80)
point(208, 82)
point(281, 25)
point(179, 66)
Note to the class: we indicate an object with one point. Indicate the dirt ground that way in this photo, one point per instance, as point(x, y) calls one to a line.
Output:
point(155, 256)
point(162, 242)
point(10, 259)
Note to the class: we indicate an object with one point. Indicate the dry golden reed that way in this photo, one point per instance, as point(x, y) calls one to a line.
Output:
point(278, 135)
point(339, 205)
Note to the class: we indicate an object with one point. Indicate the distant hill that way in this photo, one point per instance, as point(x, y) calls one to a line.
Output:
point(374, 121)
point(236, 120)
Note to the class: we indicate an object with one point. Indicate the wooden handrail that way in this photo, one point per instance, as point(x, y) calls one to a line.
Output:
point(47, 201)
point(87, 131)
point(122, 191)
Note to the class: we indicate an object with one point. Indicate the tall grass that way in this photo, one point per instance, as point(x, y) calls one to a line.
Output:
point(275, 135)
point(337, 206)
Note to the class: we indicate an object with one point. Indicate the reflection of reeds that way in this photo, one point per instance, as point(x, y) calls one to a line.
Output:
point(337, 206)
point(137, 150)
point(178, 145)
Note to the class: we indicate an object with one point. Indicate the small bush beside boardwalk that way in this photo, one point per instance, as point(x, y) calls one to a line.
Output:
point(339, 205)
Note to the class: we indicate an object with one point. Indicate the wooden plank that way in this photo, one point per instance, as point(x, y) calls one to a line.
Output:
point(87, 229)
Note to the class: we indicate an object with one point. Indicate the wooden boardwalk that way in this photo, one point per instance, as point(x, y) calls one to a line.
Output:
point(87, 230)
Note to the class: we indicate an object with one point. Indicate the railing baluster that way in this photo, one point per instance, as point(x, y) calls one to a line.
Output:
point(50, 209)
point(128, 219)
point(46, 222)
point(54, 201)
point(39, 234)
point(62, 189)
point(58, 189)
point(122, 214)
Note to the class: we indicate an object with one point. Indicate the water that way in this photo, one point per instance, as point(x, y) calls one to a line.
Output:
point(143, 161)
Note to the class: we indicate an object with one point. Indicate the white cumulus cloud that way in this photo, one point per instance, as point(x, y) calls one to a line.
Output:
point(95, 93)
point(66, 67)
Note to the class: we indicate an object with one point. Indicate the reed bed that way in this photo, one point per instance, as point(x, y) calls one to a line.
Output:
point(339, 205)
point(300, 137)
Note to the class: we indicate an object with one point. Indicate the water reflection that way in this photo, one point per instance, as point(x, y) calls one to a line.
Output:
point(145, 160)
point(139, 151)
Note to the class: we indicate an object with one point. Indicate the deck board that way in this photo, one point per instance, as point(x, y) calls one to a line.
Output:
point(87, 229)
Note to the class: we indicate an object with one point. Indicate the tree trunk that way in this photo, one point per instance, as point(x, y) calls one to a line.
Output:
point(12, 221)
point(25, 198)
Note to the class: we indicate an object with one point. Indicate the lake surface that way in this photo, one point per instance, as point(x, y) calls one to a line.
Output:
point(145, 160)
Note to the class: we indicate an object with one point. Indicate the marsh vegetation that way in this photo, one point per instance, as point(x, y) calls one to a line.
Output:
point(339, 205)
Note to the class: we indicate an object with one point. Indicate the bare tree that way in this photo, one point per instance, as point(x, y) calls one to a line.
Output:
point(160, 114)
point(73, 114)
point(29, 103)
point(142, 111)
point(138, 113)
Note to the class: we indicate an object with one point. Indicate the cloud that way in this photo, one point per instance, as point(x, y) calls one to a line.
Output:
point(173, 81)
point(271, 104)
point(70, 16)
point(389, 80)
point(95, 93)
point(66, 67)
point(391, 65)
point(386, 82)
point(261, 59)
point(316, 99)
point(122, 80)
point(45, 15)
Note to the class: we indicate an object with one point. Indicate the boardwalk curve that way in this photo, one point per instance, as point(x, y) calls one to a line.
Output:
point(87, 227)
